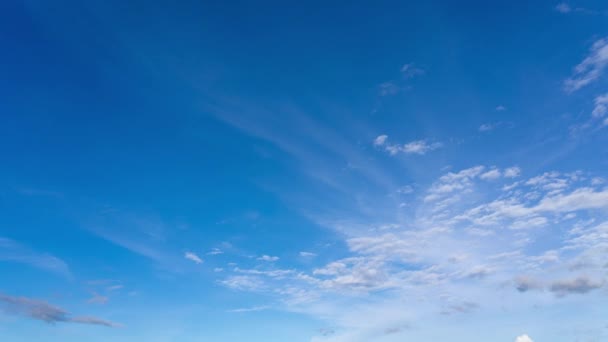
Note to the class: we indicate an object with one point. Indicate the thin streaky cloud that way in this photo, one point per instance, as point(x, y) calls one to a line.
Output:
point(43, 311)
point(13, 251)
point(591, 68)
point(193, 257)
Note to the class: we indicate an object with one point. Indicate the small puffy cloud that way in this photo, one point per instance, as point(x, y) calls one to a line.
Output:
point(500, 108)
point(591, 68)
point(380, 140)
point(388, 88)
point(563, 7)
point(215, 251)
point(268, 258)
point(487, 127)
point(512, 172)
point(307, 254)
point(523, 338)
point(409, 70)
point(43, 311)
point(419, 147)
point(490, 175)
point(193, 257)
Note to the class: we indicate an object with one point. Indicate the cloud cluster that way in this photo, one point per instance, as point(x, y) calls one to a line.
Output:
point(467, 235)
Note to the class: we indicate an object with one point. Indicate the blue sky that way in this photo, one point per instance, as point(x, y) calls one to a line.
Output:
point(303, 171)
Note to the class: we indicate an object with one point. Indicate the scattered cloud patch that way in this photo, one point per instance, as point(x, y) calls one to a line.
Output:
point(491, 175)
point(601, 107)
point(308, 254)
point(409, 70)
point(580, 285)
point(500, 108)
point(591, 68)
point(487, 127)
point(419, 147)
point(268, 258)
point(512, 172)
point(388, 88)
point(563, 7)
point(193, 257)
point(43, 311)
point(215, 251)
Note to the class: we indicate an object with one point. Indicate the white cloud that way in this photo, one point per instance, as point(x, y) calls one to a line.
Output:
point(388, 88)
point(601, 106)
point(523, 338)
point(307, 254)
point(268, 258)
point(487, 127)
point(409, 70)
point(419, 147)
point(591, 68)
point(193, 257)
point(461, 247)
point(500, 108)
point(380, 140)
point(215, 251)
point(491, 175)
point(563, 7)
point(252, 309)
point(512, 172)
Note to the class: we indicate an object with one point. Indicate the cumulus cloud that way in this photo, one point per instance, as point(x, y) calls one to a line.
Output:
point(591, 68)
point(193, 257)
point(419, 147)
point(523, 338)
point(43, 311)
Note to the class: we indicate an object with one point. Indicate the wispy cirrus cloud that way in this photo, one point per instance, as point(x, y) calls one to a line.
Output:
point(591, 68)
point(43, 311)
point(13, 251)
point(193, 257)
